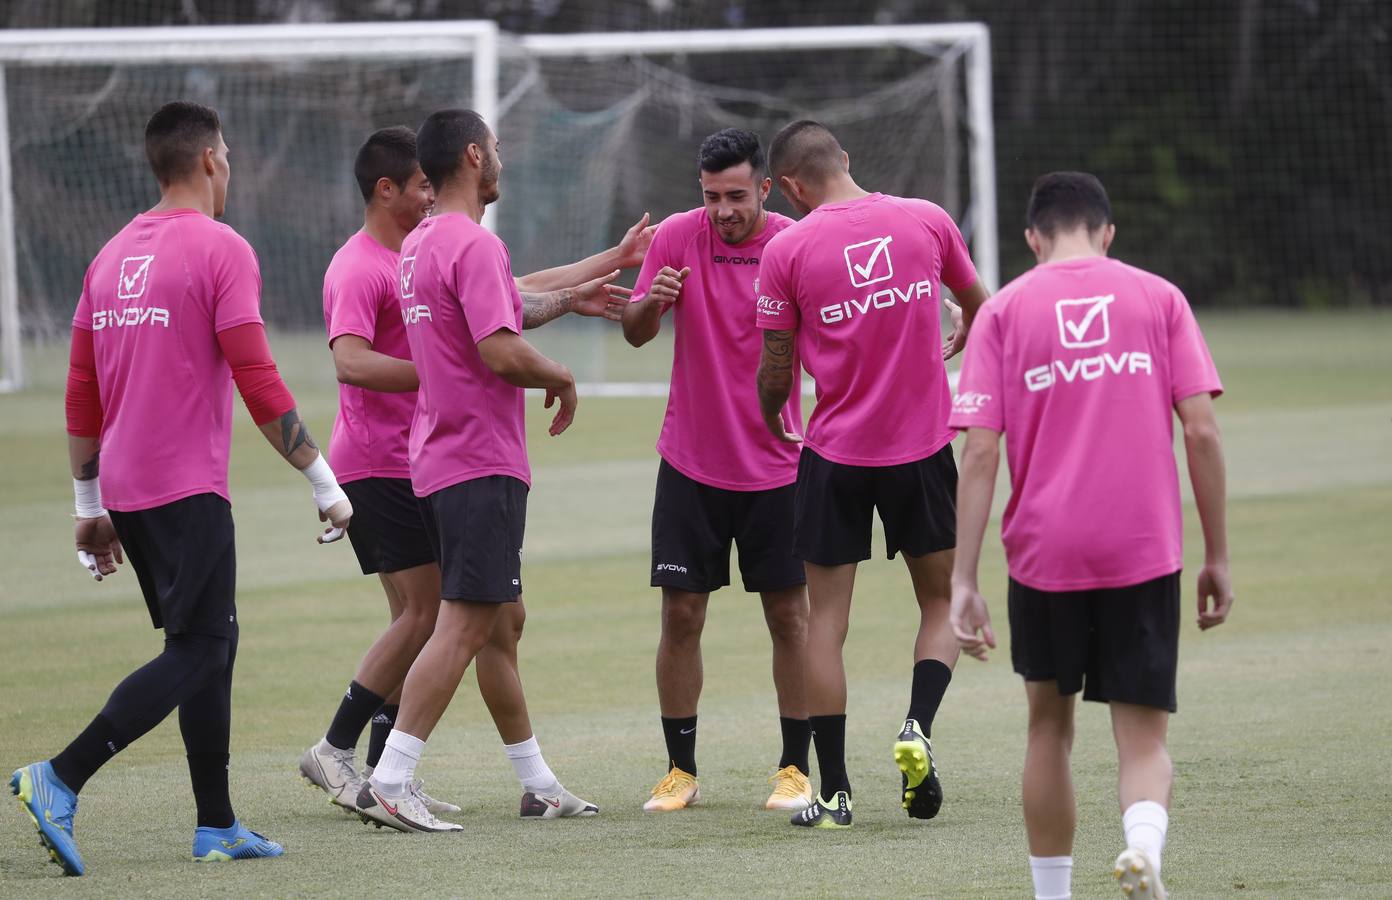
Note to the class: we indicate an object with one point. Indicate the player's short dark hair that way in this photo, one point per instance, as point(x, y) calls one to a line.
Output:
point(176, 136)
point(807, 150)
point(443, 138)
point(388, 153)
point(1061, 201)
point(728, 148)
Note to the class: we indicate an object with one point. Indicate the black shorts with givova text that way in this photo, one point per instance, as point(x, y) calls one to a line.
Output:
point(694, 524)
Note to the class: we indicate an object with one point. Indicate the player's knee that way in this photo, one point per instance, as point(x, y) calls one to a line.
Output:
point(787, 620)
point(507, 631)
point(683, 616)
point(202, 656)
point(1051, 730)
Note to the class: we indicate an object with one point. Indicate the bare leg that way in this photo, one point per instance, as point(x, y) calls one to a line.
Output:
point(414, 597)
point(679, 671)
point(828, 621)
point(786, 614)
point(1050, 809)
point(1144, 768)
point(932, 582)
point(500, 683)
point(461, 631)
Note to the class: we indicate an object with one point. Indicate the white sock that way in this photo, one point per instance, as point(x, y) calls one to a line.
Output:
point(1053, 877)
point(536, 776)
point(397, 766)
point(1145, 823)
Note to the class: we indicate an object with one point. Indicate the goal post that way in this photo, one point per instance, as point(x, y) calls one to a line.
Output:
point(222, 45)
point(597, 128)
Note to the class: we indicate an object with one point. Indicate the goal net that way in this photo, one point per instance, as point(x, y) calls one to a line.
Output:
point(596, 130)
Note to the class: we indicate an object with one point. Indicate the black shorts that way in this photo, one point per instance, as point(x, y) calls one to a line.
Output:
point(387, 532)
point(917, 502)
point(476, 528)
point(694, 523)
point(185, 561)
point(1123, 643)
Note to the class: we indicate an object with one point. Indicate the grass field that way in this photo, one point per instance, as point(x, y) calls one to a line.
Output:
point(1281, 746)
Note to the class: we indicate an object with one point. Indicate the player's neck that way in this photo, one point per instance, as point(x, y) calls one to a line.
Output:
point(841, 190)
point(1074, 245)
point(186, 196)
point(459, 198)
point(383, 228)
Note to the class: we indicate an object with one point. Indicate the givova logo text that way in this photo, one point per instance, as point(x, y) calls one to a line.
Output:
point(133, 315)
point(882, 299)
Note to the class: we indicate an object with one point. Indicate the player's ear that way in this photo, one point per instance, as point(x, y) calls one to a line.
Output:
point(846, 161)
point(475, 154)
point(1036, 245)
point(384, 188)
point(209, 166)
point(1108, 235)
point(765, 185)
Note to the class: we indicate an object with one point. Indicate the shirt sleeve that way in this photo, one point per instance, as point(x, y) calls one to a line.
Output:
point(486, 290)
point(958, 271)
point(236, 283)
point(659, 254)
point(775, 303)
point(1191, 367)
point(980, 400)
point(82, 317)
point(351, 306)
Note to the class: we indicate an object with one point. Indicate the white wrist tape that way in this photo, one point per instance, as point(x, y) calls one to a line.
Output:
point(326, 489)
point(88, 503)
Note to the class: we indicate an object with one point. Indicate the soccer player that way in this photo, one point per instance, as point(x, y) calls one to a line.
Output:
point(174, 293)
point(468, 452)
point(1082, 363)
point(853, 289)
point(722, 477)
point(377, 399)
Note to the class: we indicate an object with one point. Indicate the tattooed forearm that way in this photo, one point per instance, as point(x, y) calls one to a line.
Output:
point(294, 434)
point(775, 372)
point(538, 309)
point(91, 468)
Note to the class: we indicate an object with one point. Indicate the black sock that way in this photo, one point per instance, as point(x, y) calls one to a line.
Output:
point(930, 679)
point(208, 773)
point(681, 743)
point(382, 725)
point(358, 706)
point(88, 752)
point(797, 743)
point(829, 734)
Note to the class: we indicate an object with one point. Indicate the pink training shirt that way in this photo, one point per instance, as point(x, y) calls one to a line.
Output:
point(360, 298)
point(1080, 364)
point(155, 299)
point(457, 289)
point(859, 281)
point(712, 432)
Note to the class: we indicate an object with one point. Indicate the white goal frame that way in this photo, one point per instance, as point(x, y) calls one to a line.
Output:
point(482, 42)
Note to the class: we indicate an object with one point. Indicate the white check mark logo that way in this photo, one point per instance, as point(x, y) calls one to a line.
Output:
point(1078, 329)
point(128, 283)
point(865, 270)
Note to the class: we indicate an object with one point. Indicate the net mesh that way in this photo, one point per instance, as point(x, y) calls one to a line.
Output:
point(588, 146)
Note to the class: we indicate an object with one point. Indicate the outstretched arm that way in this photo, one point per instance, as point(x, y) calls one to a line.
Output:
point(627, 254)
point(596, 297)
point(775, 382)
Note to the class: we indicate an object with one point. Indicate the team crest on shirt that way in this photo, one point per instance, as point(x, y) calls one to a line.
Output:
point(868, 262)
point(1083, 323)
point(408, 277)
point(133, 277)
